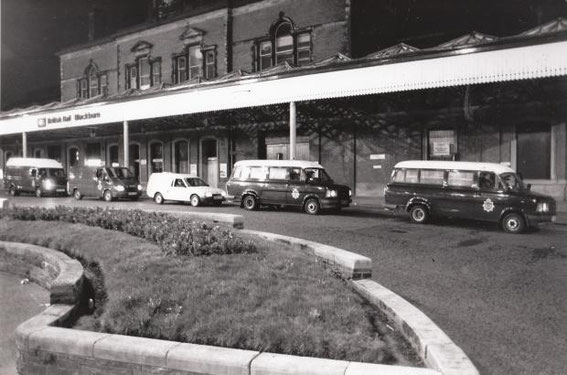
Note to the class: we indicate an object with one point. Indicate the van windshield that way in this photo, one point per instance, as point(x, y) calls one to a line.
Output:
point(318, 174)
point(51, 172)
point(120, 173)
point(512, 181)
point(193, 181)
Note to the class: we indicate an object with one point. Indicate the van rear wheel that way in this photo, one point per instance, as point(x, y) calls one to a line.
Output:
point(77, 194)
point(250, 203)
point(158, 198)
point(419, 214)
point(514, 223)
point(38, 193)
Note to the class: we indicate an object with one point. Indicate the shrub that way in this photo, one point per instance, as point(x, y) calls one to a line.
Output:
point(175, 236)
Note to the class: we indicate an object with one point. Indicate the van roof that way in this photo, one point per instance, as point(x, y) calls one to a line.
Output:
point(460, 165)
point(33, 162)
point(280, 163)
point(172, 174)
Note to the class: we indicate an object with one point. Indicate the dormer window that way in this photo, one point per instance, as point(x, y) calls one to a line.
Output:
point(146, 71)
point(93, 83)
point(285, 43)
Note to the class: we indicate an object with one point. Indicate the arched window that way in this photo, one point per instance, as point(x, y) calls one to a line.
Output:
point(93, 83)
point(284, 43)
point(156, 157)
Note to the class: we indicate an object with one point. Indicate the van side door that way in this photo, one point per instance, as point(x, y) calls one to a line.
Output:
point(177, 190)
point(460, 193)
point(297, 187)
point(488, 201)
point(30, 181)
point(275, 190)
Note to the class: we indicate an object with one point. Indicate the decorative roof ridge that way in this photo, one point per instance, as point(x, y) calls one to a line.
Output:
point(472, 38)
point(555, 26)
point(395, 50)
point(333, 59)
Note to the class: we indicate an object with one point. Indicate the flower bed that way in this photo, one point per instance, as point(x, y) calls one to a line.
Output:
point(175, 236)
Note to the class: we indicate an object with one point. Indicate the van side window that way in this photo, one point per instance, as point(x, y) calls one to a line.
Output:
point(277, 173)
point(399, 175)
point(258, 173)
point(460, 178)
point(295, 174)
point(432, 177)
point(486, 180)
point(412, 176)
point(236, 172)
point(178, 183)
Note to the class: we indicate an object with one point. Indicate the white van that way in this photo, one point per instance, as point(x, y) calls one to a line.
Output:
point(35, 175)
point(183, 188)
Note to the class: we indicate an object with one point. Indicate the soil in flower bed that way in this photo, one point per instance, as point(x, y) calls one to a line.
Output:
point(275, 299)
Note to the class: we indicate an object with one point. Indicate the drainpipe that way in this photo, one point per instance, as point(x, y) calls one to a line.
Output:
point(292, 130)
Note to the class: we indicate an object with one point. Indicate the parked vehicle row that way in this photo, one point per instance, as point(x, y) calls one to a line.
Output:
point(421, 189)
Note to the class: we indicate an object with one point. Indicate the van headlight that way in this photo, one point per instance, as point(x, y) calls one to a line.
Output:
point(48, 184)
point(542, 207)
point(208, 194)
point(119, 187)
point(331, 194)
point(139, 187)
point(349, 193)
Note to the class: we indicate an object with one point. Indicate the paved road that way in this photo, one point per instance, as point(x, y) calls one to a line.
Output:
point(25, 301)
point(501, 297)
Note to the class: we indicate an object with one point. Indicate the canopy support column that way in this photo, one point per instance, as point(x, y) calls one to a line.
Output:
point(24, 145)
point(126, 139)
point(292, 130)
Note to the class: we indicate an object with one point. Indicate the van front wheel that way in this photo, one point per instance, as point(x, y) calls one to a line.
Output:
point(195, 201)
point(107, 196)
point(13, 191)
point(77, 194)
point(312, 206)
point(38, 192)
point(419, 214)
point(250, 203)
point(514, 223)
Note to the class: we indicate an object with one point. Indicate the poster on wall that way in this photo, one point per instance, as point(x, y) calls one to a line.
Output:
point(223, 170)
point(193, 169)
point(442, 148)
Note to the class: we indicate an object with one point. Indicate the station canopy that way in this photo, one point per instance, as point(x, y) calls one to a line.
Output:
point(474, 58)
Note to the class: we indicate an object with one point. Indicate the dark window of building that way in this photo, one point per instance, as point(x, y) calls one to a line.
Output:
point(181, 157)
point(54, 152)
point(156, 157)
point(144, 73)
point(113, 156)
point(74, 157)
point(134, 154)
point(93, 83)
point(284, 44)
point(92, 154)
point(534, 151)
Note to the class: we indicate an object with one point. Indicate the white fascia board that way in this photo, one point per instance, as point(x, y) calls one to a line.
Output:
point(530, 62)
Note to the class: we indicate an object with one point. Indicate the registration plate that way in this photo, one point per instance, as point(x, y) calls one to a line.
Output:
point(344, 202)
point(133, 193)
point(60, 190)
point(217, 197)
point(553, 218)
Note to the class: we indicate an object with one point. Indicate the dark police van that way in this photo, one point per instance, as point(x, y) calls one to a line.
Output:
point(107, 183)
point(479, 191)
point(304, 184)
point(35, 175)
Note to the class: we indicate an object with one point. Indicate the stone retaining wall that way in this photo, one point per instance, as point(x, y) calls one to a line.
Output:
point(46, 348)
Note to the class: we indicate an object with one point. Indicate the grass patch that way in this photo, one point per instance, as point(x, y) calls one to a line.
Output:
point(276, 299)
